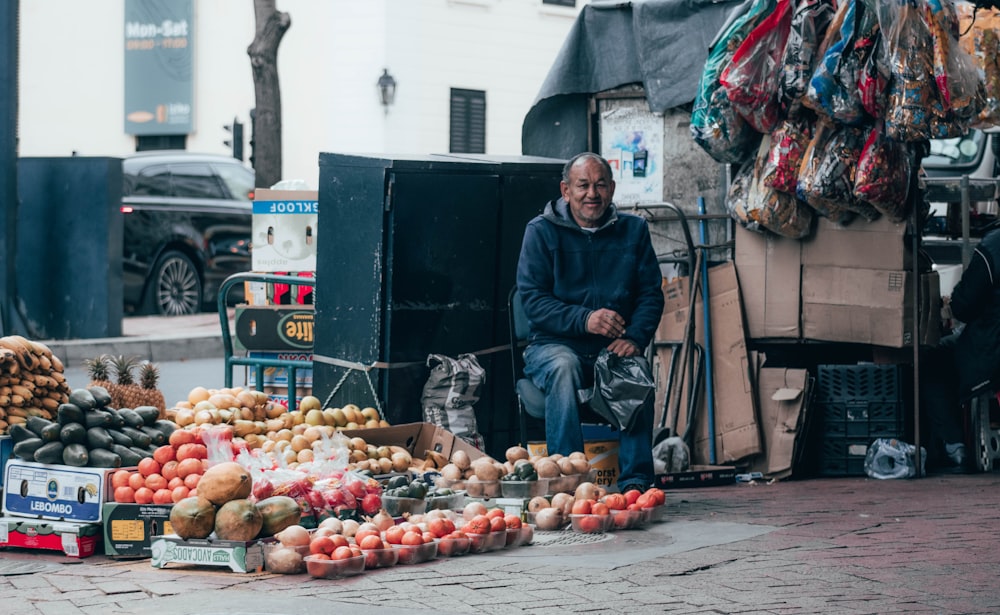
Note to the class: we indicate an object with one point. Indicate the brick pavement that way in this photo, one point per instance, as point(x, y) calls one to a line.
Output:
point(848, 545)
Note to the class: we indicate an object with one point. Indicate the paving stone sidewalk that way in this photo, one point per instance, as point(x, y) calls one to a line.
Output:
point(845, 545)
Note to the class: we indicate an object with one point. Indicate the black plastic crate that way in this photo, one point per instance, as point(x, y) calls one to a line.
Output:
point(871, 383)
point(862, 419)
point(843, 456)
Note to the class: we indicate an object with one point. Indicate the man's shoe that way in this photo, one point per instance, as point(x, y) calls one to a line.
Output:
point(955, 457)
point(632, 487)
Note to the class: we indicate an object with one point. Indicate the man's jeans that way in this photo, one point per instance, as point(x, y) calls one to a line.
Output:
point(559, 372)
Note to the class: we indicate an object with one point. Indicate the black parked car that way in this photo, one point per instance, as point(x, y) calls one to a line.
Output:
point(187, 227)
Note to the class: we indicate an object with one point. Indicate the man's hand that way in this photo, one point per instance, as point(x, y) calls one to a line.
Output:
point(607, 323)
point(623, 348)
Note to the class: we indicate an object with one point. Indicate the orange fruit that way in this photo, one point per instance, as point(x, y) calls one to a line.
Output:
point(179, 493)
point(148, 465)
point(120, 478)
point(124, 494)
point(136, 481)
point(187, 467)
point(169, 469)
point(143, 495)
point(163, 496)
point(191, 481)
point(182, 436)
point(156, 482)
point(164, 453)
point(175, 482)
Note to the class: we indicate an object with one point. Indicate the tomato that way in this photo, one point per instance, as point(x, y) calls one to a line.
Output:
point(186, 467)
point(497, 524)
point(622, 519)
point(428, 537)
point(394, 535)
point(339, 540)
point(156, 482)
point(182, 436)
point(632, 495)
point(493, 513)
point(512, 521)
point(321, 544)
point(163, 496)
point(360, 535)
point(480, 524)
point(370, 542)
point(143, 495)
point(582, 507)
point(658, 495)
point(179, 493)
point(342, 553)
point(169, 470)
point(590, 524)
point(600, 508)
point(120, 478)
point(616, 501)
point(192, 451)
point(136, 481)
point(440, 526)
point(319, 556)
point(646, 500)
point(164, 453)
point(413, 539)
point(191, 480)
point(125, 494)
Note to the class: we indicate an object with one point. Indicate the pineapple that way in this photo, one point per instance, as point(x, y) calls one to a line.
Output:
point(125, 390)
point(149, 377)
point(99, 369)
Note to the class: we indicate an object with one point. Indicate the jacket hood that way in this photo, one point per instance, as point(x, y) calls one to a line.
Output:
point(557, 212)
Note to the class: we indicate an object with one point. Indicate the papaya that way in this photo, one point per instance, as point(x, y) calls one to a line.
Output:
point(278, 512)
point(82, 399)
point(70, 413)
point(224, 482)
point(237, 519)
point(25, 449)
point(75, 455)
point(102, 398)
point(193, 517)
point(103, 458)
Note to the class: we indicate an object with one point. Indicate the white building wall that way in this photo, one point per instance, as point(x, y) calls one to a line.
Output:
point(72, 67)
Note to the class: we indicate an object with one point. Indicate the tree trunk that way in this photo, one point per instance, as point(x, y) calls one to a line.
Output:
point(266, 124)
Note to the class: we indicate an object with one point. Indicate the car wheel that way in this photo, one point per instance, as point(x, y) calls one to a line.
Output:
point(174, 288)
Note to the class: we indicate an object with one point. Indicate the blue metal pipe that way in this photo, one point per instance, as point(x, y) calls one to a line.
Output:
point(705, 297)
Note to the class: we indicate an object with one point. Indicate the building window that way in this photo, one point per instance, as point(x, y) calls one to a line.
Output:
point(468, 122)
point(560, 2)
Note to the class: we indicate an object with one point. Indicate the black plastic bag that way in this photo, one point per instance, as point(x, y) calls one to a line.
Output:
point(623, 387)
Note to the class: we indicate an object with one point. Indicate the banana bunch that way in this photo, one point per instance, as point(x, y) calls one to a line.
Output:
point(31, 381)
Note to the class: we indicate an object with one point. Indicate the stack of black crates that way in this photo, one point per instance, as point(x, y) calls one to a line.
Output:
point(856, 404)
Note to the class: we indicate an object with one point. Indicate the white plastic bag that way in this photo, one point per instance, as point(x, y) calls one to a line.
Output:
point(891, 458)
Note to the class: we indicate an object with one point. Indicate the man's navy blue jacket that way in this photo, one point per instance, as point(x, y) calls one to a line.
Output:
point(565, 273)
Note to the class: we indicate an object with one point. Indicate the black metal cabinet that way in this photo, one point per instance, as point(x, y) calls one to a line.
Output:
point(415, 257)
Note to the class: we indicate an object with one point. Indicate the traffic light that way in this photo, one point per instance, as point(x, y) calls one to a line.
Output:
point(236, 141)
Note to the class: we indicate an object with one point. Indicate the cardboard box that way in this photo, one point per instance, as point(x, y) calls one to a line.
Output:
point(276, 328)
point(769, 270)
point(284, 230)
point(6, 449)
point(737, 433)
point(784, 395)
point(61, 493)
point(601, 447)
point(864, 306)
point(129, 528)
point(881, 244)
point(417, 438)
point(236, 555)
point(73, 539)
point(697, 476)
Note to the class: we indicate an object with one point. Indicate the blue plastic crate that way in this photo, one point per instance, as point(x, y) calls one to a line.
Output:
point(843, 456)
point(866, 382)
point(862, 419)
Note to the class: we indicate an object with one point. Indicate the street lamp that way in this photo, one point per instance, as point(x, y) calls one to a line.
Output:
point(386, 89)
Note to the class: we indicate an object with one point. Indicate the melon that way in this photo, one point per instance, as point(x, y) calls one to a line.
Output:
point(224, 482)
point(238, 520)
point(278, 512)
point(193, 517)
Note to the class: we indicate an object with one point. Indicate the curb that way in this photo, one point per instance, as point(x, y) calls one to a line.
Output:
point(157, 349)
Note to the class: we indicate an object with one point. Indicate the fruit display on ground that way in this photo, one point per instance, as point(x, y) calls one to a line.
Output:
point(32, 383)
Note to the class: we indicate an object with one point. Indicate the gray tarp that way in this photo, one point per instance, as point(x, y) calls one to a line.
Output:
point(661, 44)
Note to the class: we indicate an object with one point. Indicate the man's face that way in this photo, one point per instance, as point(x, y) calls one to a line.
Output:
point(588, 191)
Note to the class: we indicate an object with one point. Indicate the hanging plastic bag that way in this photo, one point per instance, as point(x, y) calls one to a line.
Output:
point(778, 212)
point(813, 175)
point(914, 108)
point(889, 458)
point(451, 391)
point(715, 125)
point(833, 87)
point(751, 77)
point(873, 80)
point(955, 72)
point(882, 177)
point(810, 21)
point(738, 198)
point(980, 38)
point(623, 388)
point(788, 144)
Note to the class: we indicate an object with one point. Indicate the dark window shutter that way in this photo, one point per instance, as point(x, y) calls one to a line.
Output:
point(560, 2)
point(468, 122)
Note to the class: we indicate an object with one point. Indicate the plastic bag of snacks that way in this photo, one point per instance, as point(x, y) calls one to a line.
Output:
point(832, 89)
point(788, 143)
point(738, 198)
point(751, 78)
point(873, 80)
point(814, 183)
point(955, 71)
point(882, 177)
point(778, 212)
point(981, 39)
point(715, 125)
point(809, 24)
